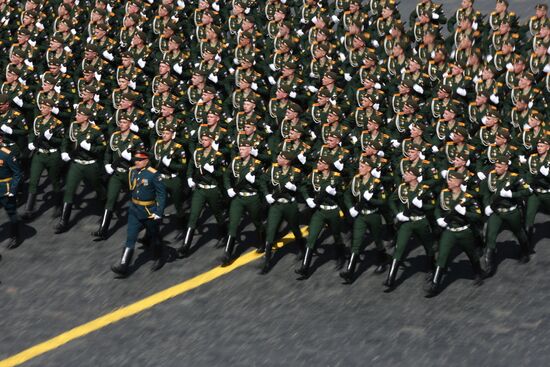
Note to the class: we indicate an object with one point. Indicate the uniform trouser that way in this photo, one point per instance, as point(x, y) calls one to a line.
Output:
point(278, 212)
point(9, 203)
point(117, 182)
point(41, 161)
point(512, 220)
point(213, 198)
point(318, 220)
point(77, 172)
point(239, 205)
point(421, 229)
point(464, 239)
point(136, 221)
point(174, 187)
point(364, 222)
point(534, 205)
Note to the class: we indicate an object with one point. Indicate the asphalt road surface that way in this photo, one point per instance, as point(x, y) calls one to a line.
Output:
point(53, 283)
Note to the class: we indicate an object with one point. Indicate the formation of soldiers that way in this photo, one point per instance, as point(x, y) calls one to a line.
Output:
point(395, 129)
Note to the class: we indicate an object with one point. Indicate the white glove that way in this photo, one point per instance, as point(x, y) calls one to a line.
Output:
point(166, 161)
point(57, 89)
point(231, 193)
point(544, 170)
point(311, 203)
point(522, 159)
point(353, 212)
point(208, 167)
point(85, 145)
point(109, 169)
point(402, 217)
point(435, 149)
point(178, 69)
point(155, 217)
point(481, 176)
point(213, 78)
point(335, 19)
point(303, 20)
point(339, 165)
point(330, 190)
point(18, 101)
point(132, 84)
point(271, 80)
point(141, 63)
point(547, 67)
point(460, 209)
point(191, 183)
point(65, 156)
point(441, 222)
point(302, 158)
point(375, 43)
point(73, 31)
point(181, 3)
point(312, 135)
point(463, 187)
point(368, 195)
point(377, 86)
point(292, 94)
point(444, 173)
point(419, 179)
point(417, 202)
point(300, 33)
point(375, 173)
point(435, 16)
point(341, 56)
point(421, 156)
point(505, 193)
point(97, 76)
point(269, 199)
point(5, 128)
point(96, 98)
point(134, 127)
point(418, 89)
point(250, 177)
point(151, 124)
point(55, 110)
point(63, 69)
point(109, 56)
point(312, 89)
point(254, 86)
point(268, 129)
point(489, 58)
point(461, 91)
point(376, 106)
point(381, 153)
point(48, 134)
point(289, 185)
point(216, 6)
point(31, 147)
point(28, 62)
point(494, 98)
point(254, 152)
point(488, 211)
point(273, 67)
point(347, 76)
point(231, 71)
point(395, 143)
point(126, 155)
point(215, 145)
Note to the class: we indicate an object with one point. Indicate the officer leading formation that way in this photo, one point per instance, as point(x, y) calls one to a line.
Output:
point(342, 114)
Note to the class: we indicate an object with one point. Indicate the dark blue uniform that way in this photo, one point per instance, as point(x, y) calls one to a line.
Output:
point(10, 176)
point(148, 199)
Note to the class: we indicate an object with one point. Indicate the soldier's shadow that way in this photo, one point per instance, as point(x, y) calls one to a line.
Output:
point(368, 261)
point(506, 250)
point(25, 231)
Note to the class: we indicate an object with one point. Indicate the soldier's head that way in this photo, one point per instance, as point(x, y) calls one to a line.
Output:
point(88, 93)
point(417, 130)
point(387, 11)
point(124, 123)
point(501, 165)
point(543, 145)
point(466, 4)
point(535, 119)
point(372, 148)
point(197, 78)
point(127, 59)
point(293, 111)
point(411, 175)
point(405, 86)
point(12, 75)
point(398, 49)
point(526, 80)
point(245, 81)
point(333, 140)
point(501, 6)
point(284, 158)
point(168, 107)
point(168, 133)
point(101, 30)
point(244, 148)
point(450, 112)
point(296, 132)
point(282, 92)
point(249, 105)
point(504, 27)
point(491, 118)
point(54, 67)
point(123, 82)
point(364, 166)
point(502, 136)
point(207, 137)
point(46, 107)
point(4, 103)
point(213, 117)
point(208, 94)
point(334, 115)
point(329, 78)
point(459, 134)
point(324, 163)
point(164, 67)
point(460, 160)
point(48, 82)
point(141, 159)
point(323, 96)
point(90, 52)
point(481, 98)
point(139, 39)
point(414, 151)
point(454, 179)
point(249, 128)
point(541, 10)
point(444, 92)
point(23, 36)
point(373, 123)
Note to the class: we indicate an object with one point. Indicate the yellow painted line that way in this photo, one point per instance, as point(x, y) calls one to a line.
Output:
point(134, 308)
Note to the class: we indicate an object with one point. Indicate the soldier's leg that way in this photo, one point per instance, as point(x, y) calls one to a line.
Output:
point(335, 223)
point(37, 166)
point(374, 224)
point(446, 244)
point(274, 217)
point(74, 177)
point(424, 233)
point(358, 235)
point(292, 216)
point(236, 210)
point(215, 201)
point(134, 226)
point(316, 224)
point(533, 205)
point(54, 164)
point(92, 173)
point(255, 209)
point(513, 221)
point(198, 199)
point(113, 190)
point(10, 205)
point(494, 224)
point(403, 235)
point(176, 193)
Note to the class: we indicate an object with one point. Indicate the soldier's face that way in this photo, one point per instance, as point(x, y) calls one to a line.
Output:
point(21, 38)
point(126, 61)
point(206, 142)
point(459, 162)
point(499, 140)
point(249, 129)
point(500, 7)
point(332, 142)
point(141, 163)
point(386, 13)
point(125, 104)
point(448, 115)
point(244, 152)
point(403, 89)
point(409, 177)
point(124, 125)
point(524, 83)
point(80, 118)
point(243, 84)
point(212, 119)
point(457, 138)
point(501, 168)
point(196, 79)
point(364, 169)
point(415, 132)
point(282, 161)
point(167, 136)
point(248, 106)
point(481, 100)
point(504, 28)
point(11, 77)
point(294, 135)
point(4, 107)
point(166, 111)
point(371, 126)
point(490, 121)
point(519, 67)
point(540, 12)
point(533, 122)
point(453, 183)
point(281, 94)
point(322, 166)
point(122, 83)
point(542, 148)
point(413, 154)
point(47, 87)
point(164, 68)
point(466, 3)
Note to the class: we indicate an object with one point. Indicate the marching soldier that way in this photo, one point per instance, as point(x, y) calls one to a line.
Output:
point(146, 210)
point(280, 184)
point(10, 177)
point(117, 162)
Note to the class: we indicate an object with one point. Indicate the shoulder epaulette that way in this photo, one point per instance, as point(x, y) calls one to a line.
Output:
point(297, 170)
point(336, 174)
point(468, 195)
point(5, 150)
point(218, 153)
point(94, 126)
point(151, 169)
point(445, 190)
point(376, 180)
point(116, 133)
point(275, 164)
point(425, 161)
point(425, 186)
point(513, 174)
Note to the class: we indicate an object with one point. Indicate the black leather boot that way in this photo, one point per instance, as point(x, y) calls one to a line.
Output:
point(479, 274)
point(340, 252)
point(101, 233)
point(430, 268)
point(392, 273)
point(158, 256)
point(63, 224)
point(348, 274)
point(221, 236)
point(29, 207)
point(488, 258)
point(524, 256)
point(15, 236)
point(228, 252)
point(125, 261)
point(183, 251)
point(434, 286)
point(261, 241)
point(58, 201)
point(303, 271)
point(267, 258)
point(301, 242)
point(530, 234)
point(382, 261)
